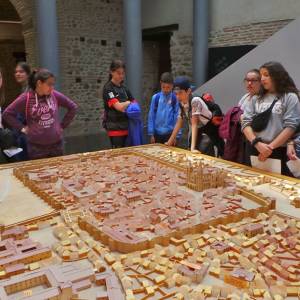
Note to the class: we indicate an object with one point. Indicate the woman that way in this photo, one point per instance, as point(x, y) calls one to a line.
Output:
point(279, 90)
point(116, 100)
point(252, 85)
point(40, 106)
point(22, 73)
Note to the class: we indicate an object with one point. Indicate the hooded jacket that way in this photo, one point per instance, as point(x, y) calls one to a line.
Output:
point(42, 116)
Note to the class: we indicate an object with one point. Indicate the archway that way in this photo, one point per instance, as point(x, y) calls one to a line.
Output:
point(17, 39)
point(12, 47)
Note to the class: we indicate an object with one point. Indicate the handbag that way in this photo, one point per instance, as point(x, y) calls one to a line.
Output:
point(261, 120)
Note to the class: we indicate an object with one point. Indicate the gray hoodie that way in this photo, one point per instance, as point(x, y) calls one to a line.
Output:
point(285, 113)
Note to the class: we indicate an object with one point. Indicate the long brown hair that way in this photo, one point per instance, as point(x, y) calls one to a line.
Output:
point(2, 98)
point(281, 79)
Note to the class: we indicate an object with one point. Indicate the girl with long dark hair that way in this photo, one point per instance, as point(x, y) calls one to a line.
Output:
point(117, 98)
point(279, 90)
point(22, 73)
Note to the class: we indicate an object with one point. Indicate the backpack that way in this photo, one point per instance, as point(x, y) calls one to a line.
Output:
point(230, 130)
point(231, 118)
point(156, 102)
point(217, 114)
point(214, 108)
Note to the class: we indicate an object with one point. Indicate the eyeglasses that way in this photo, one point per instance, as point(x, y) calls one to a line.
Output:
point(247, 80)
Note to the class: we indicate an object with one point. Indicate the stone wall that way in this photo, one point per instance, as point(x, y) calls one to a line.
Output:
point(181, 54)
point(90, 34)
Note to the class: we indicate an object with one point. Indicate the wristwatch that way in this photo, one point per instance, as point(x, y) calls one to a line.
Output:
point(255, 141)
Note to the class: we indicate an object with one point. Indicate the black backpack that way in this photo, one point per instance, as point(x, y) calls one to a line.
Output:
point(217, 114)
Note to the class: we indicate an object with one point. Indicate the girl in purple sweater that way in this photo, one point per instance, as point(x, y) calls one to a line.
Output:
point(40, 105)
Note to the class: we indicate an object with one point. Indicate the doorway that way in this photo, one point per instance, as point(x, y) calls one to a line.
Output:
point(12, 48)
point(157, 58)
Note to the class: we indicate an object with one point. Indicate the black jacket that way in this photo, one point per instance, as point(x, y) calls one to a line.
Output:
point(114, 119)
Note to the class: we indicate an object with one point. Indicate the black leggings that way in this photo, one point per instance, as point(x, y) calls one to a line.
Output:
point(118, 141)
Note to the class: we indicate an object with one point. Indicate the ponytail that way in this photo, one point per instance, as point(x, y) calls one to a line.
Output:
point(115, 65)
point(38, 74)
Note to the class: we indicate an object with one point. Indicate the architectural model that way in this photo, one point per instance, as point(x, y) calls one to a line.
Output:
point(151, 222)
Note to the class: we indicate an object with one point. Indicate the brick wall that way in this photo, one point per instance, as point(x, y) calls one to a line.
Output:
point(246, 34)
point(90, 34)
point(181, 54)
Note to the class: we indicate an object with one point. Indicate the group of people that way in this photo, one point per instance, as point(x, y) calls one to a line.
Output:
point(33, 117)
point(271, 117)
point(268, 123)
point(265, 123)
point(268, 119)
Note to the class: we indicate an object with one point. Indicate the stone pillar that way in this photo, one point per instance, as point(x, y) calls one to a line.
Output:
point(133, 46)
point(48, 36)
point(200, 41)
